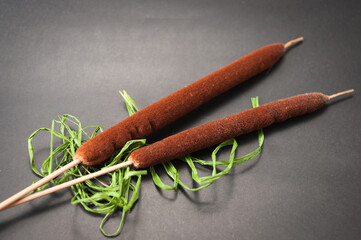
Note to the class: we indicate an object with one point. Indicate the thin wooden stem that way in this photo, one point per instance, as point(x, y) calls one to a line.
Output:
point(340, 94)
point(293, 42)
point(34, 186)
point(69, 183)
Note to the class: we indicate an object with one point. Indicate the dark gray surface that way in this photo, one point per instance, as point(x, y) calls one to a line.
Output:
point(73, 56)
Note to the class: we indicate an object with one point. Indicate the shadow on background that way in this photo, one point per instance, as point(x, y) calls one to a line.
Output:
point(211, 106)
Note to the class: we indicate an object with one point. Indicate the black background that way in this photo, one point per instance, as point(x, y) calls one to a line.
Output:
point(73, 56)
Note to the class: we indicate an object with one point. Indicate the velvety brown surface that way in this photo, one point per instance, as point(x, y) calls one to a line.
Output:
point(220, 130)
point(177, 104)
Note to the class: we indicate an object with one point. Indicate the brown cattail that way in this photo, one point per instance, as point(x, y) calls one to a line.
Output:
point(179, 103)
point(220, 130)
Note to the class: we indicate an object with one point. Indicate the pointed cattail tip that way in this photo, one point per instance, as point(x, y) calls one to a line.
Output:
point(340, 94)
point(293, 42)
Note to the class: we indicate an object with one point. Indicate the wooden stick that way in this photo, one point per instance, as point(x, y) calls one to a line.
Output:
point(68, 184)
point(25, 191)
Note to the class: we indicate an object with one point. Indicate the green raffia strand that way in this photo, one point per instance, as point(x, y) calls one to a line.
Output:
point(116, 190)
point(208, 180)
point(94, 195)
point(129, 103)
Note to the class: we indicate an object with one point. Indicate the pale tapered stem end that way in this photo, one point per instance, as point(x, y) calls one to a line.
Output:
point(293, 42)
point(6, 203)
point(68, 184)
point(340, 94)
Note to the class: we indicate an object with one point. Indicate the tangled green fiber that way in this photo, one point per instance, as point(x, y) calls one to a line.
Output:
point(119, 189)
